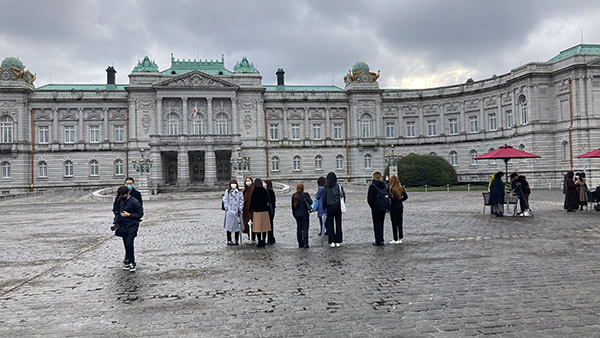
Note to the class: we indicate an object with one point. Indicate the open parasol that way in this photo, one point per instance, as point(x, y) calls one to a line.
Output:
point(590, 154)
point(506, 153)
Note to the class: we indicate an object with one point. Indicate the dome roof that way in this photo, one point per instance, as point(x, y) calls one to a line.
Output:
point(360, 67)
point(12, 62)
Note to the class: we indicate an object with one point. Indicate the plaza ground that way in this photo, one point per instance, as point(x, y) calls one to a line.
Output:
point(459, 273)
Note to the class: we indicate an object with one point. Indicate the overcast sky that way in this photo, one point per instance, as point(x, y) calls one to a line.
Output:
point(415, 44)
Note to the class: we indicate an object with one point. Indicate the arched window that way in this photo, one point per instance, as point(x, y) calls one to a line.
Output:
point(368, 160)
point(93, 168)
point(523, 109)
point(493, 160)
point(119, 168)
point(222, 124)
point(275, 163)
point(339, 162)
point(564, 146)
point(522, 148)
point(42, 169)
point(68, 168)
point(454, 158)
point(366, 126)
point(473, 155)
point(319, 162)
point(432, 153)
point(297, 163)
point(7, 129)
point(5, 170)
point(198, 124)
point(173, 124)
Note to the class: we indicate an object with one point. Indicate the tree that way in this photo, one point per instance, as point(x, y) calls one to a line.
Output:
point(418, 170)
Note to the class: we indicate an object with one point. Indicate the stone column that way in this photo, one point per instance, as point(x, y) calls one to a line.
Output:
point(234, 117)
point(284, 128)
point(55, 127)
point(81, 132)
point(327, 131)
point(184, 101)
point(156, 177)
point(132, 114)
point(307, 126)
point(210, 167)
point(183, 167)
point(159, 116)
point(209, 115)
point(106, 132)
point(379, 123)
point(442, 129)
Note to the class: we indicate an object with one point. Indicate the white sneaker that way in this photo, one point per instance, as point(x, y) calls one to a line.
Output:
point(393, 242)
point(338, 244)
point(332, 245)
point(399, 241)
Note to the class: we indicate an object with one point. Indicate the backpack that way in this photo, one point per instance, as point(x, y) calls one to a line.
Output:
point(383, 202)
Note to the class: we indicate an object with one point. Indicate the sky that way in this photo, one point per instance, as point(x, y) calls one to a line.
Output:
point(415, 44)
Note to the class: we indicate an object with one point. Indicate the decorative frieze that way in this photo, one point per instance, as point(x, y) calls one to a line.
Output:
point(472, 105)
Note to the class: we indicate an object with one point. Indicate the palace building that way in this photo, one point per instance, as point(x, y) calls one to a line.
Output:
point(197, 118)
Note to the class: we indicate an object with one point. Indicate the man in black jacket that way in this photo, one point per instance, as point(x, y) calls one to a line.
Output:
point(128, 214)
point(377, 212)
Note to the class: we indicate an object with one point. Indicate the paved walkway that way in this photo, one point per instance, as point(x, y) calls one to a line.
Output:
point(459, 273)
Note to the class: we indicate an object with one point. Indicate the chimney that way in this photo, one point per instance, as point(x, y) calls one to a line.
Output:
point(279, 74)
point(110, 75)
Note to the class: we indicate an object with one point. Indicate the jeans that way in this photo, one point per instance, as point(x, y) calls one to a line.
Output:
point(302, 224)
point(128, 244)
point(378, 219)
point(334, 213)
point(237, 236)
point(270, 235)
point(396, 216)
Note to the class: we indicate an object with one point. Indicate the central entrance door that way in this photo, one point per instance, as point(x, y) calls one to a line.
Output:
point(196, 159)
point(223, 158)
point(169, 159)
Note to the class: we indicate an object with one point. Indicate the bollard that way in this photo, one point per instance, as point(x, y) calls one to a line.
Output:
point(468, 186)
point(447, 187)
point(425, 187)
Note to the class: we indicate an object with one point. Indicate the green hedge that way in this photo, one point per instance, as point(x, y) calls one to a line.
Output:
point(418, 170)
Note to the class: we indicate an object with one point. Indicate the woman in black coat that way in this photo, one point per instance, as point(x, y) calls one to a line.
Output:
point(301, 203)
point(497, 195)
point(398, 195)
point(571, 194)
point(259, 207)
point(272, 201)
point(331, 197)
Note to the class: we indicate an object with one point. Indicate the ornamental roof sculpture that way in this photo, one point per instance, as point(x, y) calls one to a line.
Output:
point(12, 69)
point(361, 73)
point(146, 66)
point(245, 67)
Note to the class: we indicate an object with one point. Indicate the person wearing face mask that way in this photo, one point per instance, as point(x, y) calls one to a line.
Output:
point(126, 224)
point(259, 206)
point(233, 203)
point(129, 183)
point(246, 214)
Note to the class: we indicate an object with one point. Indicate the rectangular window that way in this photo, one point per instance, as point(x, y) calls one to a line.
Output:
point(473, 125)
point(94, 134)
point(119, 133)
point(410, 129)
point(389, 130)
point(44, 134)
point(339, 162)
point(118, 167)
point(295, 131)
point(273, 132)
point(316, 131)
point(43, 169)
point(69, 134)
point(337, 131)
point(493, 121)
point(431, 128)
point(453, 125)
point(509, 119)
point(198, 127)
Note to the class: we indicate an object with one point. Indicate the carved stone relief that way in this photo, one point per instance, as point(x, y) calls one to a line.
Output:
point(337, 114)
point(430, 110)
point(247, 118)
point(507, 98)
point(491, 101)
point(43, 115)
point(274, 114)
point(68, 114)
point(118, 115)
point(94, 115)
point(472, 105)
point(452, 107)
point(295, 114)
point(317, 114)
point(146, 123)
point(410, 111)
point(390, 112)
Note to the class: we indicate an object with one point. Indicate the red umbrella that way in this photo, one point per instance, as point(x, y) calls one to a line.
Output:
point(505, 153)
point(591, 154)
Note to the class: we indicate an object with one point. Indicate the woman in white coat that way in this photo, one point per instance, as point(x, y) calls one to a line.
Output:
point(233, 204)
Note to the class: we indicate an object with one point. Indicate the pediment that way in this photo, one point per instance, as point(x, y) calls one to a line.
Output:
point(595, 62)
point(196, 79)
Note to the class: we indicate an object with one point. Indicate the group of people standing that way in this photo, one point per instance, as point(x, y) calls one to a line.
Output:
point(386, 197)
point(576, 191)
point(519, 186)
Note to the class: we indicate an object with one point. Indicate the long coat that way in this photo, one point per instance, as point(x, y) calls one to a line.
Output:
point(497, 191)
point(571, 195)
point(233, 201)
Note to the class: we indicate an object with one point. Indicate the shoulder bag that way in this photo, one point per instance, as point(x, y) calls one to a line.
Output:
point(342, 200)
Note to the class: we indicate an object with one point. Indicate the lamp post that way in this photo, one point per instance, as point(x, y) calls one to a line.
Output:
point(391, 160)
point(240, 164)
point(142, 166)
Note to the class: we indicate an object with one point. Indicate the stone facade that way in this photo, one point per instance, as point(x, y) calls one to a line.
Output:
point(192, 118)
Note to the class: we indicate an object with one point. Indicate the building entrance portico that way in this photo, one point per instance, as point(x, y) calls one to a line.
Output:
point(197, 167)
point(169, 164)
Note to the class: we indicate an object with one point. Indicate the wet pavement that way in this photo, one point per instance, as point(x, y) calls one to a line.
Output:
point(459, 272)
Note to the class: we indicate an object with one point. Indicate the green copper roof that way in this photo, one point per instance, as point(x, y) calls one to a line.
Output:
point(83, 87)
point(145, 66)
point(212, 67)
point(245, 67)
point(12, 62)
point(360, 67)
point(579, 49)
point(303, 89)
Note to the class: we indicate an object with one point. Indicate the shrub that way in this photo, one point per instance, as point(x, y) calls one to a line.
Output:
point(418, 170)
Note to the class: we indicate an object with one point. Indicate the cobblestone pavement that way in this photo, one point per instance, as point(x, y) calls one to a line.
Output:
point(459, 273)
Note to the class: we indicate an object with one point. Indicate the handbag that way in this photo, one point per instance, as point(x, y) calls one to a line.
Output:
point(342, 202)
point(308, 206)
point(315, 205)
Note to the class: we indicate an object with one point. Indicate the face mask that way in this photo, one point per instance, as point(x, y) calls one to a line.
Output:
point(233, 186)
point(265, 185)
point(130, 186)
point(248, 184)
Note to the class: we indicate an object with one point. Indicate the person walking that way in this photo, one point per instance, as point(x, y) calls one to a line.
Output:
point(126, 223)
point(320, 212)
point(398, 195)
point(259, 207)
point(332, 197)
point(273, 204)
point(129, 183)
point(301, 205)
point(375, 195)
point(233, 203)
point(246, 214)
point(497, 193)
point(571, 195)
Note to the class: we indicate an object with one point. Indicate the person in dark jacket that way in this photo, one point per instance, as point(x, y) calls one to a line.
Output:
point(497, 195)
point(520, 188)
point(129, 183)
point(571, 195)
point(259, 207)
point(246, 214)
point(301, 203)
point(331, 197)
point(398, 195)
point(272, 203)
point(377, 213)
point(320, 212)
point(127, 221)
